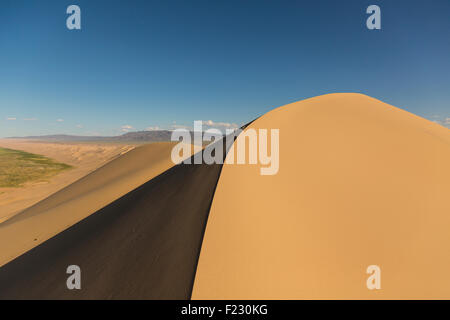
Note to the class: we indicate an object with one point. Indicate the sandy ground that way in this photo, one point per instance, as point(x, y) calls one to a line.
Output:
point(84, 157)
point(360, 183)
point(71, 204)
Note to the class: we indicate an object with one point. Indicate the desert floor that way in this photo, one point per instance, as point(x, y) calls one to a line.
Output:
point(84, 157)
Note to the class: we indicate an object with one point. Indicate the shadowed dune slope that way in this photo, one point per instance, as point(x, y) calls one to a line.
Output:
point(144, 245)
point(82, 198)
point(360, 183)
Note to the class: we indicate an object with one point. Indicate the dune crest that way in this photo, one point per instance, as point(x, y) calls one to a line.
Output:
point(360, 183)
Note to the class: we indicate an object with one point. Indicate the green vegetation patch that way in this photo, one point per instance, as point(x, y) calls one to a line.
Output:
point(18, 167)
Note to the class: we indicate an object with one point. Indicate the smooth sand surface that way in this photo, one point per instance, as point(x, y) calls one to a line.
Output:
point(360, 183)
point(82, 198)
point(83, 157)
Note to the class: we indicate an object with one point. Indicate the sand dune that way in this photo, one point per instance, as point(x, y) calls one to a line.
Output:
point(83, 157)
point(144, 245)
point(82, 198)
point(360, 183)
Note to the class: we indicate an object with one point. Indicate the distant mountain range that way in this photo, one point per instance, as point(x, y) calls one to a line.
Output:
point(139, 136)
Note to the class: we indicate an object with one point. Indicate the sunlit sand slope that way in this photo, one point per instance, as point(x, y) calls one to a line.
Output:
point(82, 198)
point(360, 183)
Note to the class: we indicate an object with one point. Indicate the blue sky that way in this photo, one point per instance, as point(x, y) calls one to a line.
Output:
point(159, 63)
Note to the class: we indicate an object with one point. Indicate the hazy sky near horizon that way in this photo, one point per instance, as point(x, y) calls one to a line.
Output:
point(140, 64)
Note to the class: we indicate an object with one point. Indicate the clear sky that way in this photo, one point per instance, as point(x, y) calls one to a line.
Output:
point(139, 64)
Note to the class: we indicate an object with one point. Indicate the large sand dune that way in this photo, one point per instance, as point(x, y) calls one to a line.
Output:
point(360, 183)
point(82, 198)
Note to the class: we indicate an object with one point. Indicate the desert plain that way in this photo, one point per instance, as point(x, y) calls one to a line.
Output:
point(82, 157)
